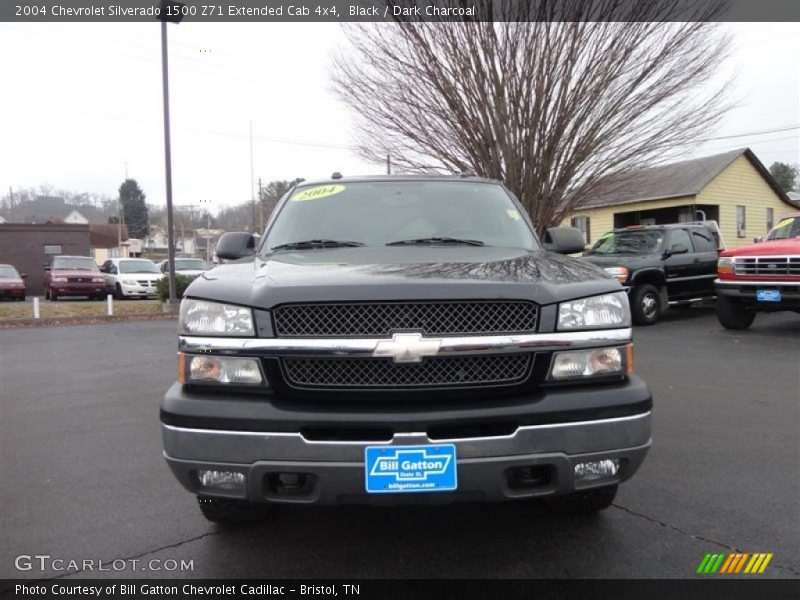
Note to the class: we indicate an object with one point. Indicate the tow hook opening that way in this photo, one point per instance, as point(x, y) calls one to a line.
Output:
point(290, 484)
point(529, 477)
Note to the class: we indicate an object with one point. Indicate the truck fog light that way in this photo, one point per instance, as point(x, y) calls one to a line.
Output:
point(598, 469)
point(222, 480)
point(217, 369)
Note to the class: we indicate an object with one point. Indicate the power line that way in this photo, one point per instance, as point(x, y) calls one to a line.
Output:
point(738, 135)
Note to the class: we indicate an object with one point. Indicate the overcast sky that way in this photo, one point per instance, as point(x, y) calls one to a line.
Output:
point(80, 101)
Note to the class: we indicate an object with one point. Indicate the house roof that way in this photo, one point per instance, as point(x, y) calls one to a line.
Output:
point(106, 236)
point(674, 180)
point(54, 209)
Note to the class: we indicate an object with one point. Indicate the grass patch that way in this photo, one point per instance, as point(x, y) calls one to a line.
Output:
point(10, 311)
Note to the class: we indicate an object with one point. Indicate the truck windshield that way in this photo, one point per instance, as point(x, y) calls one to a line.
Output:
point(74, 263)
point(785, 229)
point(191, 264)
point(381, 213)
point(629, 242)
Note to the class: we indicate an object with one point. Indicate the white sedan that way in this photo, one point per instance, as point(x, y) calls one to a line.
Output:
point(131, 277)
point(191, 267)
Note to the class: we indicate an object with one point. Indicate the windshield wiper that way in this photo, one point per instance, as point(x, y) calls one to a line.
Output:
point(435, 240)
point(307, 244)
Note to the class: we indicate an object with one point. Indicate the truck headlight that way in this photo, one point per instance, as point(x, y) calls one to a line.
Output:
point(59, 280)
point(204, 369)
point(577, 364)
point(725, 264)
point(596, 312)
point(618, 273)
point(98, 280)
point(129, 281)
point(201, 317)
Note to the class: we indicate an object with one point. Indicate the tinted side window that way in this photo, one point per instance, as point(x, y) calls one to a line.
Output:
point(702, 241)
point(680, 236)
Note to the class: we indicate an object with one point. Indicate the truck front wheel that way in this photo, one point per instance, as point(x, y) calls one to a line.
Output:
point(587, 501)
point(231, 511)
point(645, 304)
point(732, 314)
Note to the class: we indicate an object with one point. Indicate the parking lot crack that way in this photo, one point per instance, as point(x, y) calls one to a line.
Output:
point(140, 555)
point(701, 538)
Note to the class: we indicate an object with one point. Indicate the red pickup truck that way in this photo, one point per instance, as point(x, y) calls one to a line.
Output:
point(762, 277)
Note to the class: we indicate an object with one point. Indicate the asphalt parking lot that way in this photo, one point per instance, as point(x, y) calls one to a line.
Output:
point(81, 473)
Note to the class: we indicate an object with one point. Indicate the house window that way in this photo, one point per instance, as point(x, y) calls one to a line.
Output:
point(53, 249)
point(582, 225)
point(770, 219)
point(741, 222)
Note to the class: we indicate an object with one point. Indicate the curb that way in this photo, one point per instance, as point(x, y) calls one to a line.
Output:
point(98, 320)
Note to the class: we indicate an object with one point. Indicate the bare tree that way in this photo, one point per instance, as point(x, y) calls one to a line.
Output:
point(552, 109)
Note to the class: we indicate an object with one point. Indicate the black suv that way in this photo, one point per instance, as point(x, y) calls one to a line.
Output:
point(659, 265)
point(398, 339)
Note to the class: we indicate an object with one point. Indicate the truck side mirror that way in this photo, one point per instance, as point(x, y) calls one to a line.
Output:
point(678, 249)
point(23, 275)
point(237, 244)
point(563, 240)
point(46, 267)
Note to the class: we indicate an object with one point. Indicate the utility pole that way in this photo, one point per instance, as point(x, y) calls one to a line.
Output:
point(119, 225)
point(260, 207)
point(388, 164)
point(252, 180)
point(168, 12)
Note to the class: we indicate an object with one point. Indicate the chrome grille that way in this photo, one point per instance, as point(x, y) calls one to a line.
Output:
point(767, 265)
point(79, 279)
point(143, 282)
point(360, 373)
point(382, 318)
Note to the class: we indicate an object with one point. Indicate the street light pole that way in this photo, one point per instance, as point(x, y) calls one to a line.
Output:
point(168, 160)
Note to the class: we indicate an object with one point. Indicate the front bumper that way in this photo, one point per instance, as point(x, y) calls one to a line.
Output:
point(12, 292)
point(138, 291)
point(746, 292)
point(547, 439)
point(78, 289)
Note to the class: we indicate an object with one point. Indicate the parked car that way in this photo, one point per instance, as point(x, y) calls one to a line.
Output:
point(12, 283)
point(659, 265)
point(763, 277)
point(403, 335)
point(131, 277)
point(191, 267)
point(73, 276)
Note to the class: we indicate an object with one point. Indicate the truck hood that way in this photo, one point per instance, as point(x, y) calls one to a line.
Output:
point(771, 248)
point(75, 273)
point(402, 273)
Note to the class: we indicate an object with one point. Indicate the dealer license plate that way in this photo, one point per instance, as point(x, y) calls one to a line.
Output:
point(405, 469)
point(768, 295)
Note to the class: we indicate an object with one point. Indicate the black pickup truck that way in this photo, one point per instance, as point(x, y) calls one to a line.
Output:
point(394, 339)
point(659, 265)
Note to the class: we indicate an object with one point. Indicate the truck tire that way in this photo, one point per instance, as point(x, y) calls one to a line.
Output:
point(587, 501)
point(118, 295)
point(231, 511)
point(732, 314)
point(645, 304)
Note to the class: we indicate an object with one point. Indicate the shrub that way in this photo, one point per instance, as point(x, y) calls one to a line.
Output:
point(181, 283)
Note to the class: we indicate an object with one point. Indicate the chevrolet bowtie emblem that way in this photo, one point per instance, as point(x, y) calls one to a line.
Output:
point(407, 347)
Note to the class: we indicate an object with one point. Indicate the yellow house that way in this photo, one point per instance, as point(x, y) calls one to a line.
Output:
point(734, 189)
